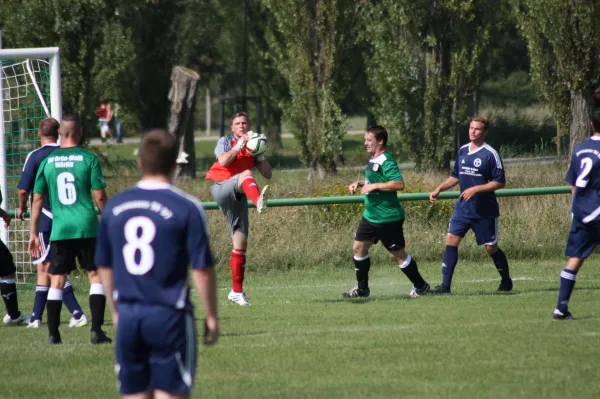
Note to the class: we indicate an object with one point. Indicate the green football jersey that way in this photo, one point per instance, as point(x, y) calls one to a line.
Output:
point(380, 206)
point(67, 176)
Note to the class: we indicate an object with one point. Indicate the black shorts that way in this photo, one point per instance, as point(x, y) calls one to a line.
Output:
point(7, 263)
point(391, 234)
point(64, 252)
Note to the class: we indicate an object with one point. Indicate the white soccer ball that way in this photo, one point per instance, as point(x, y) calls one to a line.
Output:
point(256, 144)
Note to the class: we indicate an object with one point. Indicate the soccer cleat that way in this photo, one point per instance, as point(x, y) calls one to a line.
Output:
point(417, 292)
point(505, 286)
point(34, 324)
point(99, 337)
point(54, 339)
point(440, 290)
point(261, 206)
point(239, 298)
point(356, 292)
point(22, 320)
point(81, 322)
point(558, 315)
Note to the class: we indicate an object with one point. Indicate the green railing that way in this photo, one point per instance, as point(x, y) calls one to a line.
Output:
point(357, 199)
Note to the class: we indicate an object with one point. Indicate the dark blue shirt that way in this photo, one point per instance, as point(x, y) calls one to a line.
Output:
point(473, 169)
point(150, 235)
point(584, 175)
point(30, 169)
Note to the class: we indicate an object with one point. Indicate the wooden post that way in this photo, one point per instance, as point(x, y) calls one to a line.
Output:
point(181, 120)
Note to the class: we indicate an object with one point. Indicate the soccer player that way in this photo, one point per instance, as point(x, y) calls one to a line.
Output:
point(383, 218)
point(234, 184)
point(48, 134)
point(67, 177)
point(478, 169)
point(584, 177)
point(148, 237)
point(8, 287)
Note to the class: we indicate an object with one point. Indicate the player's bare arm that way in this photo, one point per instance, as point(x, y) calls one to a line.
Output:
point(450, 182)
point(483, 188)
point(100, 198)
point(35, 247)
point(23, 198)
point(107, 279)
point(387, 186)
point(264, 167)
point(227, 157)
point(354, 186)
point(6, 217)
point(205, 283)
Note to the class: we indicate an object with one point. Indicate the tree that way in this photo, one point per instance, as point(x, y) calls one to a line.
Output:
point(308, 46)
point(562, 40)
point(426, 58)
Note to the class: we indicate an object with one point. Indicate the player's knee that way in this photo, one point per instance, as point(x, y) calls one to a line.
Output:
point(360, 249)
point(93, 277)
point(491, 249)
point(245, 173)
point(452, 240)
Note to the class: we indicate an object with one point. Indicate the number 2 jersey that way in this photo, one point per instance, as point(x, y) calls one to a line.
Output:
point(67, 176)
point(149, 235)
point(584, 175)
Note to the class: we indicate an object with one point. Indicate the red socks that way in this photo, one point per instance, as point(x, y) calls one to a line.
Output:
point(251, 189)
point(237, 263)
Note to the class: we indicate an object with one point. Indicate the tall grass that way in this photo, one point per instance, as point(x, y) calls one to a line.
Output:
point(305, 237)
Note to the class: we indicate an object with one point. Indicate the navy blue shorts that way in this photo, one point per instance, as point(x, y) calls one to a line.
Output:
point(486, 230)
point(583, 238)
point(156, 349)
point(45, 255)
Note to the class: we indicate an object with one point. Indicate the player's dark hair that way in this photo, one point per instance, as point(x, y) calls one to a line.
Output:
point(72, 118)
point(595, 119)
point(483, 120)
point(379, 132)
point(49, 128)
point(158, 152)
point(104, 100)
point(237, 115)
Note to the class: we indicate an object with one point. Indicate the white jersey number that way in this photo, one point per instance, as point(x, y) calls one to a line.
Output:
point(67, 194)
point(586, 165)
point(139, 244)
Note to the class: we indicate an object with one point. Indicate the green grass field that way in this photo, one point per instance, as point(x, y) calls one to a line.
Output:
point(300, 340)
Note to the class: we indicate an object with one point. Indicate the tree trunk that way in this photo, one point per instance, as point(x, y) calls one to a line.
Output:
point(580, 119)
point(558, 149)
point(181, 121)
point(208, 112)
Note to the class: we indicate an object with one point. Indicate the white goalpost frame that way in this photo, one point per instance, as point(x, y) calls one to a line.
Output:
point(53, 55)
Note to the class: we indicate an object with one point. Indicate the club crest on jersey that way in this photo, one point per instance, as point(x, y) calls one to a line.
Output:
point(477, 162)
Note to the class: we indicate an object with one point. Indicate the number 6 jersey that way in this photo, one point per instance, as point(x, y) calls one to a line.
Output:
point(584, 175)
point(150, 235)
point(67, 177)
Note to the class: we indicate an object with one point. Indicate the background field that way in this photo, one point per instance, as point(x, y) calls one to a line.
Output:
point(299, 339)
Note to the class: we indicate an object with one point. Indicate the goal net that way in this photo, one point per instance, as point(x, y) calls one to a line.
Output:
point(29, 79)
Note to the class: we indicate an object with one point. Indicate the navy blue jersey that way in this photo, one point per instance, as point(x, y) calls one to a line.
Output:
point(584, 175)
point(473, 169)
point(149, 235)
point(30, 169)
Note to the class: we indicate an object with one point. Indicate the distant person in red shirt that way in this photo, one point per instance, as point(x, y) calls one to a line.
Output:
point(234, 185)
point(105, 115)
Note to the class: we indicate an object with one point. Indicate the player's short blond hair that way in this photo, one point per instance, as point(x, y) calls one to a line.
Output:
point(239, 114)
point(481, 119)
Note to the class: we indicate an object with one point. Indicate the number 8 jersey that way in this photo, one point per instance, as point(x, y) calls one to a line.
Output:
point(67, 176)
point(150, 235)
point(584, 175)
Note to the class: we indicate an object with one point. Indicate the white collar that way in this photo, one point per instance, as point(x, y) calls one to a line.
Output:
point(152, 185)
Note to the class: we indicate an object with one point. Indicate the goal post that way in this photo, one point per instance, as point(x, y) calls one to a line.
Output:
point(30, 91)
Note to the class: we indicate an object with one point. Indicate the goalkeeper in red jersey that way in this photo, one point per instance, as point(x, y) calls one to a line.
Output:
point(234, 185)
